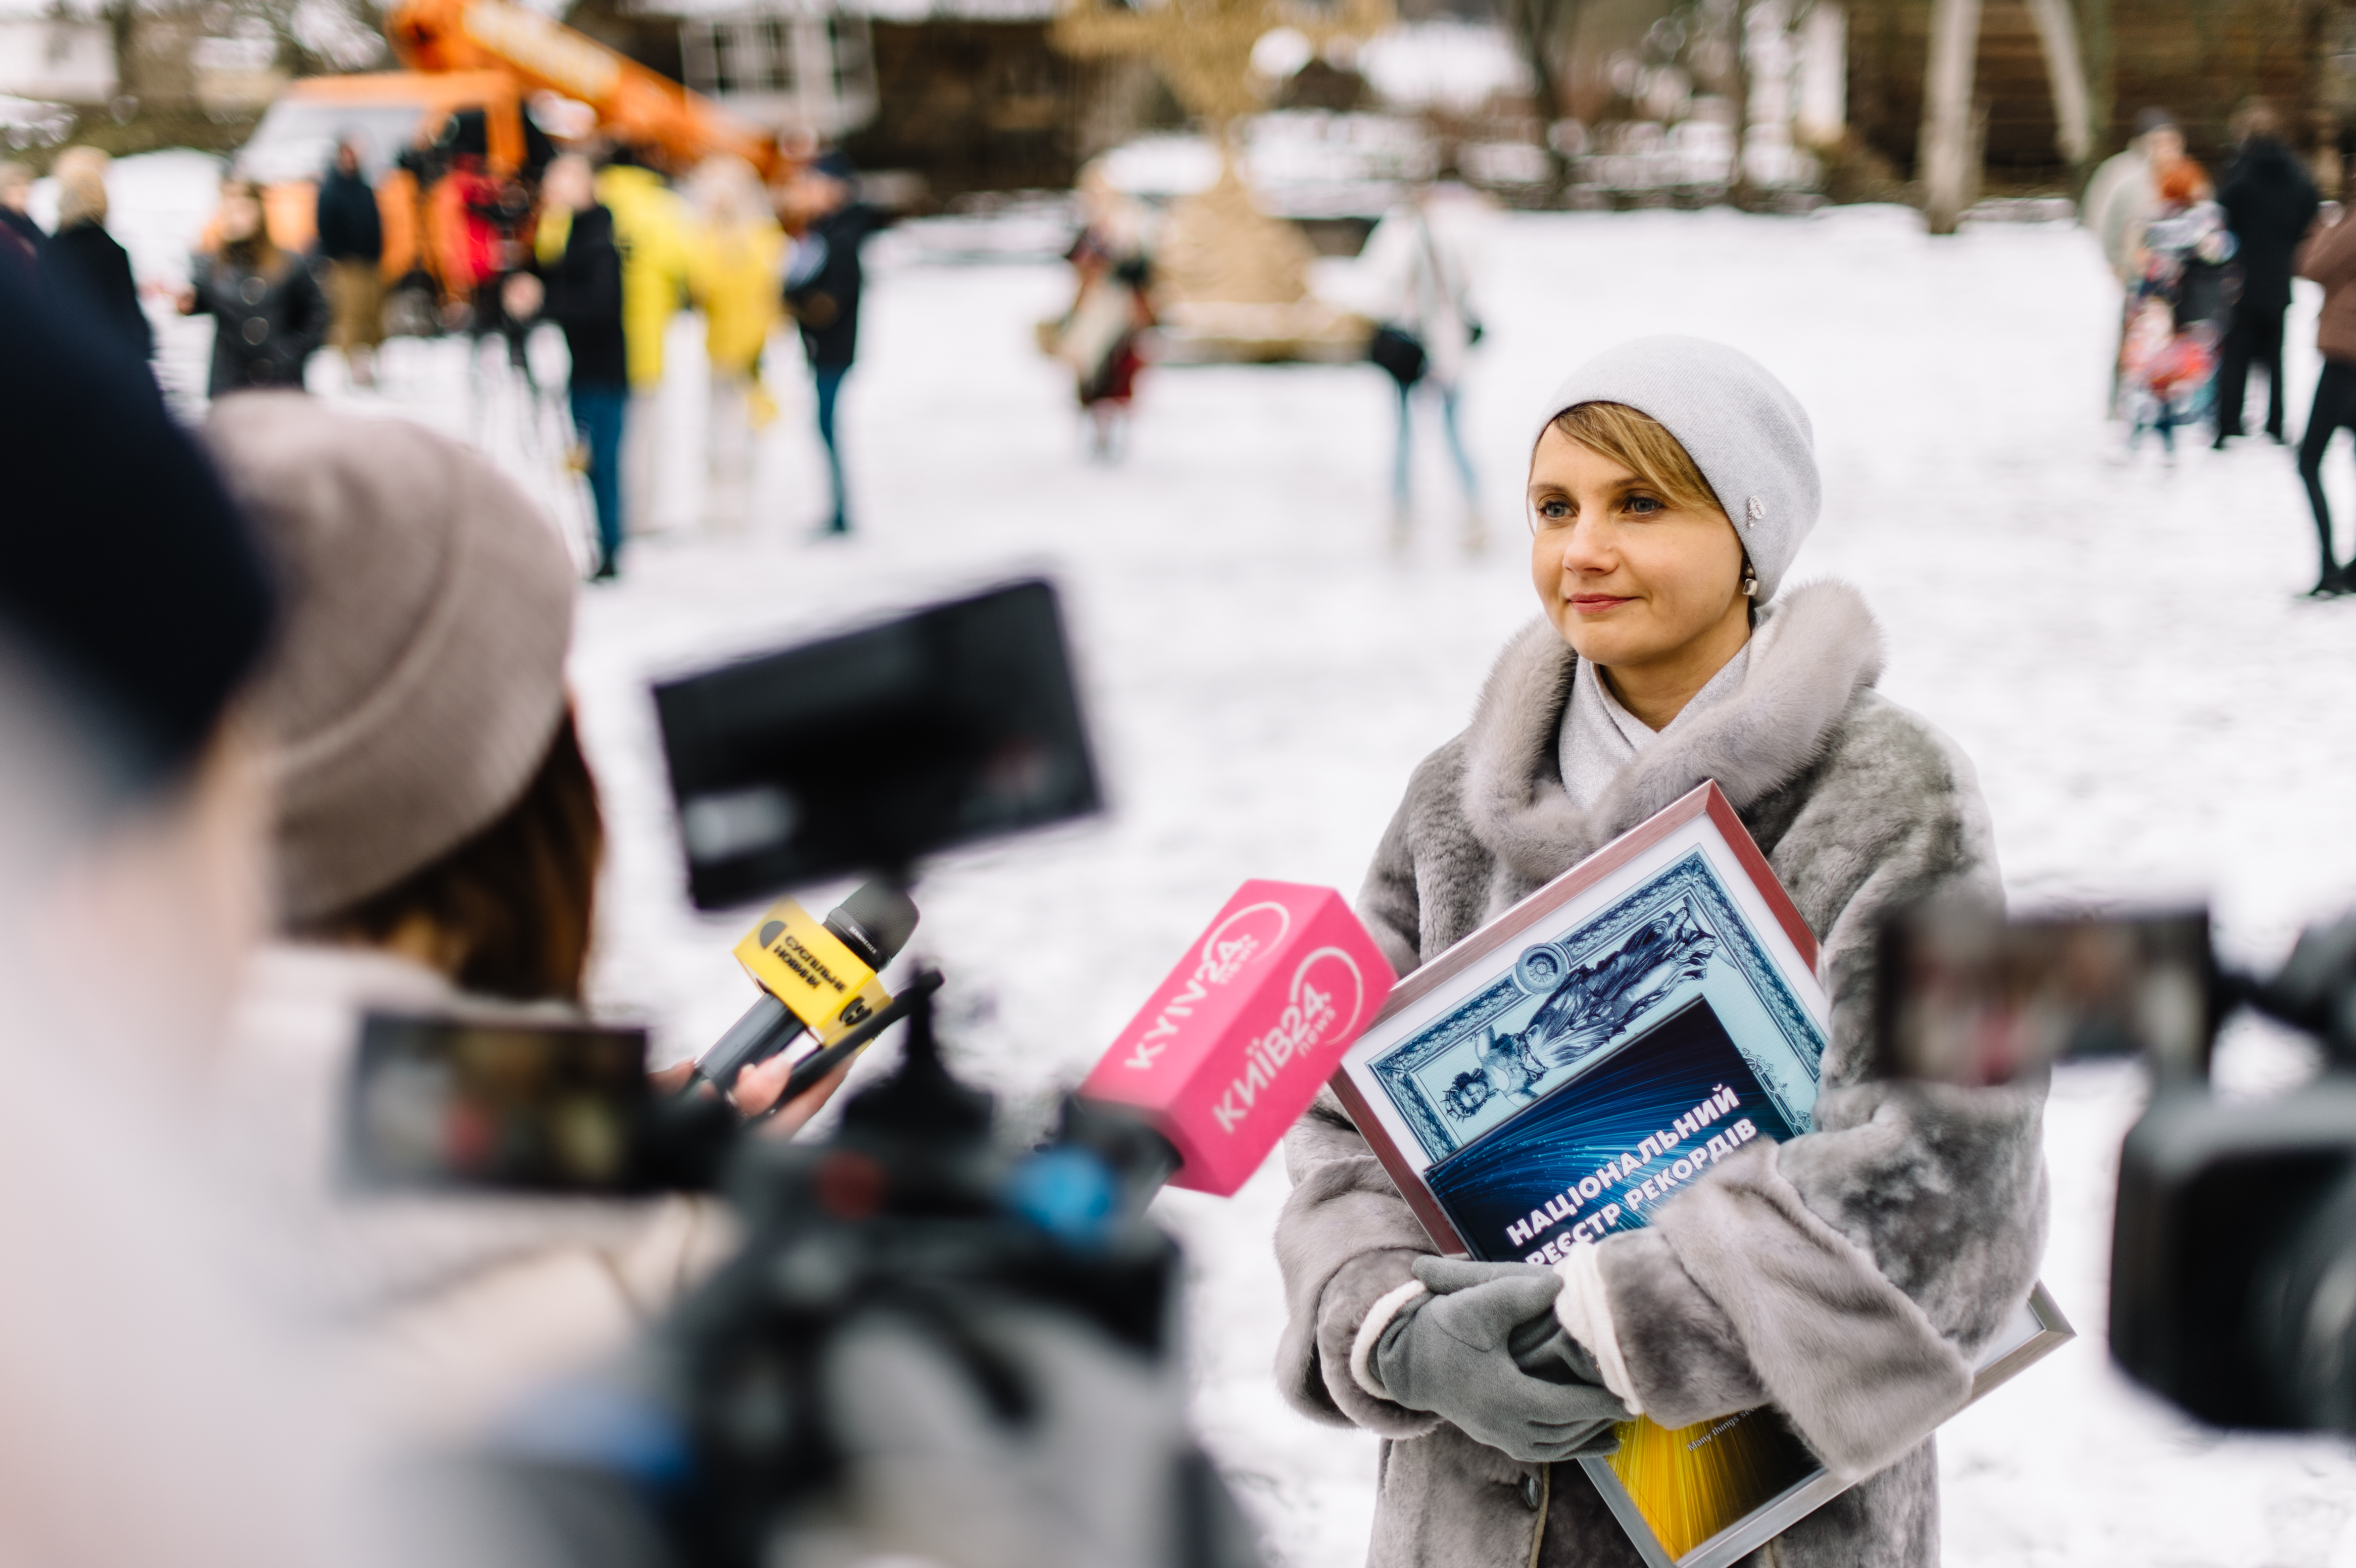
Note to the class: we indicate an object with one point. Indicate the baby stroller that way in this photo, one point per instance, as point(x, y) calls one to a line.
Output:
point(2168, 372)
point(2177, 317)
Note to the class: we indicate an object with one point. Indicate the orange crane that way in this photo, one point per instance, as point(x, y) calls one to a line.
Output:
point(632, 102)
point(483, 58)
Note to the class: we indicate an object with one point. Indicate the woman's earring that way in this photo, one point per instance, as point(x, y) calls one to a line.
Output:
point(1750, 581)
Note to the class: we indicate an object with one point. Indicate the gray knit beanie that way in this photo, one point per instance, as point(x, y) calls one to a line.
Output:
point(418, 677)
point(1745, 430)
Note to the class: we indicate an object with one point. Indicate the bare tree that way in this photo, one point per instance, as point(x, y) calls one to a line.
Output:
point(1545, 30)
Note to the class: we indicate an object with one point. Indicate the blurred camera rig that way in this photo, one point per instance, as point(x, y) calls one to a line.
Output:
point(2233, 1244)
point(930, 1346)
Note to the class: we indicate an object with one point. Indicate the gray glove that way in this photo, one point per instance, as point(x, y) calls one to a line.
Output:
point(1453, 1353)
point(1544, 1349)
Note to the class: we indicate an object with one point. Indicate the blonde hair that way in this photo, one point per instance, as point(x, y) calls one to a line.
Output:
point(80, 173)
point(1643, 446)
point(727, 193)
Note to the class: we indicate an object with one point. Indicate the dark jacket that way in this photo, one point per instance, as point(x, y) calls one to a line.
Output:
point(350, 227)
point(585, 297)
point(2329, 257)
point(265, 324)
point(21, 241)
point(824, 279)
point(2269, 203)
point(83, 269)
point(21, 224)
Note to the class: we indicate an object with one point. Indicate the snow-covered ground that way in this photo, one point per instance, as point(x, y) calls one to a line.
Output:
point(2154, 711)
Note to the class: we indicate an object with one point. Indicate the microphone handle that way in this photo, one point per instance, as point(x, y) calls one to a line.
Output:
point(819, 1063)
point(1140, 1157)
point(767, 1028)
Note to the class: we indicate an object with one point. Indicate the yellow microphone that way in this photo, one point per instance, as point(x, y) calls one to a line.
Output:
point(817, 977)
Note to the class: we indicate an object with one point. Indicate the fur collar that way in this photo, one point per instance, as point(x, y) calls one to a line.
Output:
point(1827, 649)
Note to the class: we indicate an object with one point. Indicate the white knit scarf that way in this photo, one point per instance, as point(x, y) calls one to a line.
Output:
point(1601, 737)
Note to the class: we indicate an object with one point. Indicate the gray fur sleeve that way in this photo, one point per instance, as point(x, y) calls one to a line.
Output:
point(1944, 1188)
point(1688, 1364)
point(1861, 1265)
point(1854, 1364)
point(1389, 904)
point(1430, 881)
point(1344, 1239)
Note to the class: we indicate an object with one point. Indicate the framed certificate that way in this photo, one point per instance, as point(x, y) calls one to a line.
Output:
point(1562, 1070)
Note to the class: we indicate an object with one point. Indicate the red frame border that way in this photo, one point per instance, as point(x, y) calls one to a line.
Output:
point(1707, 799)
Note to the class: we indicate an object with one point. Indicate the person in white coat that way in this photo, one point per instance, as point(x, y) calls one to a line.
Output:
point(2120, 199)
point(1415, 277)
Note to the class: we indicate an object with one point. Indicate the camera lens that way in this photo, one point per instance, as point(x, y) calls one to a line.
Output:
point(2303, 1315)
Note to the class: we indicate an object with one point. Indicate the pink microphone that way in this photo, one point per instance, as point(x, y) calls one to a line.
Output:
point(1236, 1042)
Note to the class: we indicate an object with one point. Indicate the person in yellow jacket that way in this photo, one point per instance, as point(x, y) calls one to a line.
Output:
point(734, 249)
point(650, 228)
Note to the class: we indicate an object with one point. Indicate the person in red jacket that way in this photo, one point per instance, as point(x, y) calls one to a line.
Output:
point(2329, 257)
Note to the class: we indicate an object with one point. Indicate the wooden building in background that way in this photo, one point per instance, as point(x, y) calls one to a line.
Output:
point(2198, 59)
point(968, 95)
point(975, 104)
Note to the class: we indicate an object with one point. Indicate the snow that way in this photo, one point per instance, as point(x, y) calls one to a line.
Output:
point(2154, 713)
point(1300, 163)
point(1444, 64)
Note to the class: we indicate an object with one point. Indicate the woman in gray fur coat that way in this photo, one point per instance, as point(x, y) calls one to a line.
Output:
point(1846, 1277)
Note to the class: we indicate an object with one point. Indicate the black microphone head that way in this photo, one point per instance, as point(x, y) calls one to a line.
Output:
point(876, 920)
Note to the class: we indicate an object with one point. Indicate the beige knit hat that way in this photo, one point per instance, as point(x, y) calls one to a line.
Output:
point(418, 676)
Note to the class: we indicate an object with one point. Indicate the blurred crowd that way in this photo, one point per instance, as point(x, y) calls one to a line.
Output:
point(599, 242)
point(2206, 269)
point(607, 243)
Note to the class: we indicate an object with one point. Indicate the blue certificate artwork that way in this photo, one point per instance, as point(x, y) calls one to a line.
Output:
point(1591, 1158)
point(1592, 993)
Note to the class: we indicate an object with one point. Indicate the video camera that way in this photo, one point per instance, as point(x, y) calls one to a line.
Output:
point(2234, 1248)
point(930, 1344)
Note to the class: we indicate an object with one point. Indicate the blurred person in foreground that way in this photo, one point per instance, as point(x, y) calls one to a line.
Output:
point(2329, 257)
point(435, 847)
point(268, 314)
point(576, 282)
point(82, 266)
point(734, 246)
point(824, 279)
point(2270, 204)
point(351, 241)
point(1846, 1277)
point(157, 1411)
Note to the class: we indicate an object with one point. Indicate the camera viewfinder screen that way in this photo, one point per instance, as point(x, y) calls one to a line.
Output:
point(867, 751)
point(1970, 998)
point(436, 1103)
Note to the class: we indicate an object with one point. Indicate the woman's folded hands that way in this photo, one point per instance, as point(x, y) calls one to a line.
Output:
point(1480, 1347)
